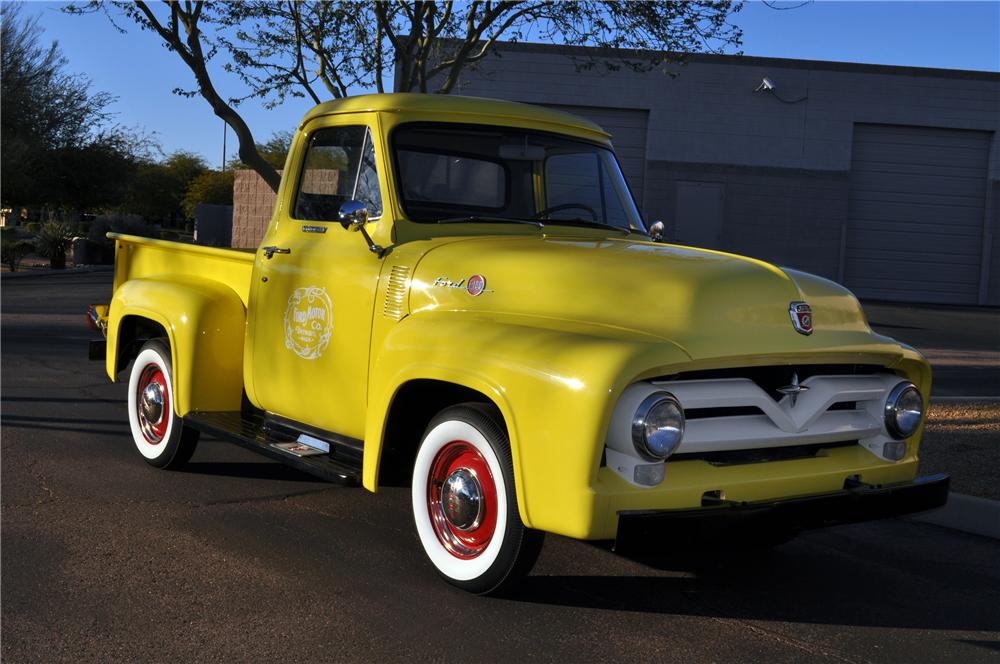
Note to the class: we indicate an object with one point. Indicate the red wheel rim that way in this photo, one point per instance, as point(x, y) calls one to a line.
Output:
point(459, 459)
point(152, 404)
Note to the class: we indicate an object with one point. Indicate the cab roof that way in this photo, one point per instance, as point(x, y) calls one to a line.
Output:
point(403, 102)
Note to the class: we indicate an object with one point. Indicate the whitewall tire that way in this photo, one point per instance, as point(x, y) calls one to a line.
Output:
point(464, 502)
point(159, 435)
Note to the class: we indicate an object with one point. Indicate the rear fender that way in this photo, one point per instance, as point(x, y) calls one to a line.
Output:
point(205, 322)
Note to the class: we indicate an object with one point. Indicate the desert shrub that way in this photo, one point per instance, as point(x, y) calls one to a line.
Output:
point(53, 240)
point(13, 249)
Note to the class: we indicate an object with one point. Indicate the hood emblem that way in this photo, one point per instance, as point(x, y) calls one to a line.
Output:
point(802, 317)
point(794, 390)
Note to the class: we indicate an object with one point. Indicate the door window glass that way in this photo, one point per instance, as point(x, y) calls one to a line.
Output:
point(339, 166)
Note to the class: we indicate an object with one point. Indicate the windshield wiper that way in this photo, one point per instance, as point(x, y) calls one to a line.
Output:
point(587, 223)
point(476, 219)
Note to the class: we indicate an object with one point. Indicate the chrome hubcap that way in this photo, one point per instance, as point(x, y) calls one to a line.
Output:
point(462, 500)
point(152, 403)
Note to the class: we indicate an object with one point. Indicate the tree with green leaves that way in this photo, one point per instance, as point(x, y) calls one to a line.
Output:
point(275, 149)
point(211, 187)
point(157, 189)
point(58, 149)
point(327, 49)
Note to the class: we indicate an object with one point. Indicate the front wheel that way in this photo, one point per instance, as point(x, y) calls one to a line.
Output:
point(464, 503)
point(159, 435)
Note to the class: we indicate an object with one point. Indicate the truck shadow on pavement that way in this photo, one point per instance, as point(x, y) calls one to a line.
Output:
point(67, 424)
point(796, 583)
point(251, 470)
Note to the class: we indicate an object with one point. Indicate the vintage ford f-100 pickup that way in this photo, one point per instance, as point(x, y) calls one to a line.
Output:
point(505, 334)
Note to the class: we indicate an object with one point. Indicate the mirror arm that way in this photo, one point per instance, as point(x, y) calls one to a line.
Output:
point(374, 248)
point(353, 216)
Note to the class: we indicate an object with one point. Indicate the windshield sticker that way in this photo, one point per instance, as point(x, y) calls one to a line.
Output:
point(308, 322)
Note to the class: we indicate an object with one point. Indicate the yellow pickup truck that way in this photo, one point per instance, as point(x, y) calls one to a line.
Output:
point(459, 295)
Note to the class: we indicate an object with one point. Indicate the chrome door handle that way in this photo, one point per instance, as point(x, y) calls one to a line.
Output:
point(269, 252)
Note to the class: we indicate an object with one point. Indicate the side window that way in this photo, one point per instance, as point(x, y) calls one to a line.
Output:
point(339, 166)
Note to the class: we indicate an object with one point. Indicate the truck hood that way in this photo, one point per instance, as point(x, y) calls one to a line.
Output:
point(707, 302)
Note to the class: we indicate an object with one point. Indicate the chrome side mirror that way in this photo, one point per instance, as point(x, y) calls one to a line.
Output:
point(353, 215)
point(656, 230)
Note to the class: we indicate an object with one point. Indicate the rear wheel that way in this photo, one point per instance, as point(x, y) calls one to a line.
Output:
point(464, 503)
point(159, 435)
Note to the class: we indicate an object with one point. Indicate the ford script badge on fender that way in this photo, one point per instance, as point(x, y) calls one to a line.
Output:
point(802, 317)
point(474, 285)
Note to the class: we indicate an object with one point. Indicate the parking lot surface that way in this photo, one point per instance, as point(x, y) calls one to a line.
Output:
point(238, 558)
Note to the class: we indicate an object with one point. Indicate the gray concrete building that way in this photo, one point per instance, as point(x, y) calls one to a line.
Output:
point(886, 179)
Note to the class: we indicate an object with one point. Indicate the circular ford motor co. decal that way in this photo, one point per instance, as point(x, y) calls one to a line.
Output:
point(308, 322)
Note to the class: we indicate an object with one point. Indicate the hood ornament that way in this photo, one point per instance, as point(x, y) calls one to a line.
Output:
point(794, 390)
point(802, 317)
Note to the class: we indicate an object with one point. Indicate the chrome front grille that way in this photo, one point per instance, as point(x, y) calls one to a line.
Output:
point(818, 415)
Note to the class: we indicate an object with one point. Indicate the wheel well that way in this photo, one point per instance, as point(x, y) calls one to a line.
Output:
point(412, 409)
point(133, 332)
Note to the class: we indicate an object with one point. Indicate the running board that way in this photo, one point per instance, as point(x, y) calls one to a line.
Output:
point(261, 433)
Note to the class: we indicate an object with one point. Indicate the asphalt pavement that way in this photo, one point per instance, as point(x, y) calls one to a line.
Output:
point(237, 558)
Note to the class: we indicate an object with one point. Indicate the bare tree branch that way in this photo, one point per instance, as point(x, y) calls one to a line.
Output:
point(328, 49)
point(191, 53)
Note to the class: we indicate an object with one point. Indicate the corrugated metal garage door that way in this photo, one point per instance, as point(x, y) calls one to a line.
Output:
point(628, 133)
point(915, 224)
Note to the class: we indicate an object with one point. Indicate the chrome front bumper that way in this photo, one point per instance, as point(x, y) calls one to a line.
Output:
point(645, 529)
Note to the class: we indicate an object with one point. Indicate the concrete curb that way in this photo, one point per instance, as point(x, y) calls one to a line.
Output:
point(983, 399)
point(968, 514)
point(51, 273)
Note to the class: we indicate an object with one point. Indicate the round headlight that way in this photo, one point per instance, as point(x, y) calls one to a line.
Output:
point(904, 409)
point(657, 426)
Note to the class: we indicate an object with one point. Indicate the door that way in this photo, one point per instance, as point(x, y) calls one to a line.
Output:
point(917, 208)
point(312, 300)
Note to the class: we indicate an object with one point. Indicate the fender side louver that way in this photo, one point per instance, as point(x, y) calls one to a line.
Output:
point(395, 293)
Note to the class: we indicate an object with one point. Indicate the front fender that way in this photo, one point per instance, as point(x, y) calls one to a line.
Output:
point(555, 386)
point(205, 323)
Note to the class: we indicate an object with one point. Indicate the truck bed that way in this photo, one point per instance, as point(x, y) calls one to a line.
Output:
point(142, 257)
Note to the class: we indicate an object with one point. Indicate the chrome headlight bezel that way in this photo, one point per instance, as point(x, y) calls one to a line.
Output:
point(640, 419)
point(893, 410)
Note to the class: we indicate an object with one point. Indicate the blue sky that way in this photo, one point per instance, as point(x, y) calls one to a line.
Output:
point(142, 73)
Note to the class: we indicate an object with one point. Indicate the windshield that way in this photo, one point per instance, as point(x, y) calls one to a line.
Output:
point(485, 173)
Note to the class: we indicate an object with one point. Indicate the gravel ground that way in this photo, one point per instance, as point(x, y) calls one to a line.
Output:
point(963, 440)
